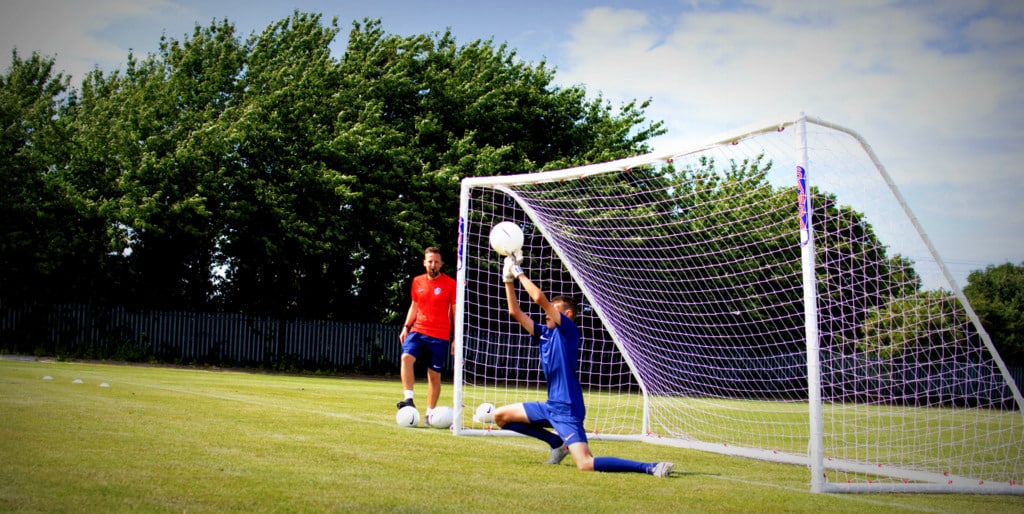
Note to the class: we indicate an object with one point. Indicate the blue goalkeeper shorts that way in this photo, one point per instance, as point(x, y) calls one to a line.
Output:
point(557, 416)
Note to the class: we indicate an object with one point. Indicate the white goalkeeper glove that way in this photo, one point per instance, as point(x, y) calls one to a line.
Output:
point(506, 272)
point(512, 269)
point(517, 256)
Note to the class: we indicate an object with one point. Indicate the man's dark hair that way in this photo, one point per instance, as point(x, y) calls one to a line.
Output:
point(567, 302)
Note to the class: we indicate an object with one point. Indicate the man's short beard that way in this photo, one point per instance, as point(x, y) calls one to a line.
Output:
point(433, 273)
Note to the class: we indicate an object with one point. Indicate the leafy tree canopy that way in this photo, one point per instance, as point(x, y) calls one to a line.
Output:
point(997, 297)
point(267, 175)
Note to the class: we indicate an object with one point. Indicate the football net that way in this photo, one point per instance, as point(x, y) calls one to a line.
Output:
point(766, 294)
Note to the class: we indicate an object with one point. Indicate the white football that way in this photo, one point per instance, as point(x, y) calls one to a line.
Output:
point(408, 417)
point(440, 417)
point(506, 237)
point(484, 413)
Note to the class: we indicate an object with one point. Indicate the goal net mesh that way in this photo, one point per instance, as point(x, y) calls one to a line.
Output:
point(695, 329)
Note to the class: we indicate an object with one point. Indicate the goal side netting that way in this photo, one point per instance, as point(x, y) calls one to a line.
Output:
point(765, 294)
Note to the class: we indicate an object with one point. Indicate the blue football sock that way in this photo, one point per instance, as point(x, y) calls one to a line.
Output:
point(615, 464)
point(534, 431)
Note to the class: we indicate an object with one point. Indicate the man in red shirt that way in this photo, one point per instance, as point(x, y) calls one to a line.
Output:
point(428, 328)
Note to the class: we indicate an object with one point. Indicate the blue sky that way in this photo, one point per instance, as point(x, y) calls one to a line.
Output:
point(936, 87)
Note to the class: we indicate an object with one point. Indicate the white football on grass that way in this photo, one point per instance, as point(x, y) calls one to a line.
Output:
point(407, 416)
point(440, 417)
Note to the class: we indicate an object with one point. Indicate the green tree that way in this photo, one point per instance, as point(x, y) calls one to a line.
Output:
point(286, 221)
point(419, 114)
point(917, 327)
point(45, 237)
point(147, 152)
point(997, 297)
point(268, 176)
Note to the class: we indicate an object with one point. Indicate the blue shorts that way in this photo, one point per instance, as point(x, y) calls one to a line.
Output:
point(419, 345)
point(558, 417)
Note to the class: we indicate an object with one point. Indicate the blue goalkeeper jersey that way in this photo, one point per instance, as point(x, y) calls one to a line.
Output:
point(558, 356)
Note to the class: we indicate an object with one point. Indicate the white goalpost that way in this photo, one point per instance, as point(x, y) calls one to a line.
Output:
point(766, 294)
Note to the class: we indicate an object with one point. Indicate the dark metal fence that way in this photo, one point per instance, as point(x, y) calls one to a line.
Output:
point(227, 339)
point(230, 339)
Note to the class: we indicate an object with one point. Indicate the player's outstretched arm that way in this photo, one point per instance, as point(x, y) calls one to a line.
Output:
point(514, 308)
point(536, 295)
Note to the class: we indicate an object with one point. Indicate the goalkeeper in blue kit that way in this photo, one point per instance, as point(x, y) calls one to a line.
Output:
point(558, 340)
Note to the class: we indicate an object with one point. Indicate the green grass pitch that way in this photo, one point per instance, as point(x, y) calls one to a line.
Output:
point(158, 439)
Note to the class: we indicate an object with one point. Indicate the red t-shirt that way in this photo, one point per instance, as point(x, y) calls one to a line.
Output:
point(435, 302)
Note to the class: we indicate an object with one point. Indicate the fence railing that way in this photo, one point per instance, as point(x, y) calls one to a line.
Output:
point(227, 339)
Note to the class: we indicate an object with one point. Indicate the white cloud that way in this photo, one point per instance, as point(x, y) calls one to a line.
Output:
point(72, 30)
point(937, 88)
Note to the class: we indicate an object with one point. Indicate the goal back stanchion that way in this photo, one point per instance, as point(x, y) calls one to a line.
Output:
point(767, 294)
